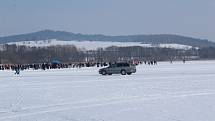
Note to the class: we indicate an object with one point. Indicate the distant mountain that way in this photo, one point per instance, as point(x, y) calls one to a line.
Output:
point(145, 39)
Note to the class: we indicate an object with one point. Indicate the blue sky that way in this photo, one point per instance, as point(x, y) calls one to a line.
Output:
point(193, 18)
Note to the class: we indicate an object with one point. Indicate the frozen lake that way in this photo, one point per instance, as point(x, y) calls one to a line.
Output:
point(166, 92)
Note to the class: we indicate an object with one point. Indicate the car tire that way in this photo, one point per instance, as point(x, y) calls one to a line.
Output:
point(123, 72)
point(110, 74)
point(104, 72)
point(129, 73)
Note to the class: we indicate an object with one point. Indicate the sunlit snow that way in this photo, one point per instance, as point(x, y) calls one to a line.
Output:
point(166, 92)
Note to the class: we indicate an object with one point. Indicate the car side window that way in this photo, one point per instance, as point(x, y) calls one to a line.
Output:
point(126, 64)
point(119, 65)
point(113, 66)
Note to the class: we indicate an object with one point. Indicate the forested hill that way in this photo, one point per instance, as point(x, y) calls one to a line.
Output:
point(146, 39)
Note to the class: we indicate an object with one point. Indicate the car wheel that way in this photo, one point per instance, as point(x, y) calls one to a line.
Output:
point(110, 74)
point(104, 72)
point(123, 72)
point(129, 73)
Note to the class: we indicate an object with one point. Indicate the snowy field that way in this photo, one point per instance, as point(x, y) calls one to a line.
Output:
point(166, 92)
point(93, 45)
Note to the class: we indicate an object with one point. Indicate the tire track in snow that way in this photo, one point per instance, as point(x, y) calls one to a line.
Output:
point(96, 103)
point(146, 80)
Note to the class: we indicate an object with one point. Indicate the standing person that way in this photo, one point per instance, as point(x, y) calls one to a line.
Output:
point(183, 60)
point(155, 62)
point(43, 66)
point(17, 70)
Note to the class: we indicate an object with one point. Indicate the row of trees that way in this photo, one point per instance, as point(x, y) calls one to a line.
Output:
point(68, 53)
point(24, 54)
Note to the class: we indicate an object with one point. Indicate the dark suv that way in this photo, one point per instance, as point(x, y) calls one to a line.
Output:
point(117, 68)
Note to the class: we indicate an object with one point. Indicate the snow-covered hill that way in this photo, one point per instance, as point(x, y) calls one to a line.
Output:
point(146, 39)
point(93, 45)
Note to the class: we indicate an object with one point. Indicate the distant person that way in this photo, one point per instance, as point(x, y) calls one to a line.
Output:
point(183, 60)
point(152, 63)
point(17, 70)
point(155, 62)
point(43, 66)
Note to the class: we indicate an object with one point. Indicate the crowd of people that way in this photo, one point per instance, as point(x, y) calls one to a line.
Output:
point(151, 62)
point(44, 66)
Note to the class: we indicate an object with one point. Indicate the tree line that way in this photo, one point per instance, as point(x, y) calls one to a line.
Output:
point(14, 54)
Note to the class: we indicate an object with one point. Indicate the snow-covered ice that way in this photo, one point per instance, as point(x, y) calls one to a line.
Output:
point(166, 92)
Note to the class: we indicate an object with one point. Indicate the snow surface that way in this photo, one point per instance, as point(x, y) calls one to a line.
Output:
point(93, 45)
point(166, 92)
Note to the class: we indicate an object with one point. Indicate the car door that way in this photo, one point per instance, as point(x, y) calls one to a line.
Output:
point(119, 67)
point(112, 69)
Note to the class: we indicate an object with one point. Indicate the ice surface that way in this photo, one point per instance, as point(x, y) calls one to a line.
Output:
point(166, 92)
